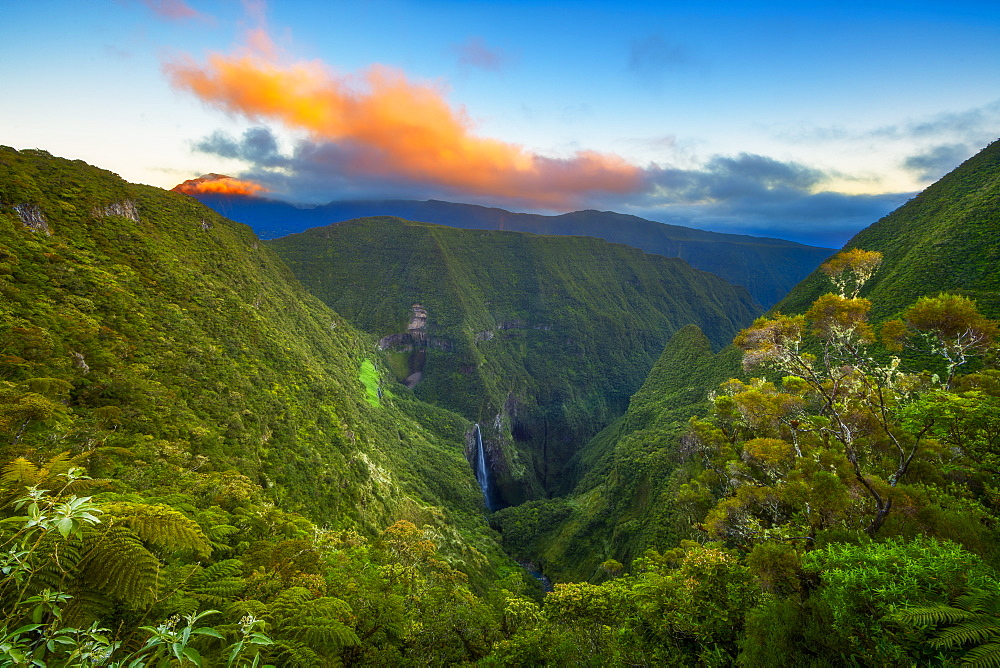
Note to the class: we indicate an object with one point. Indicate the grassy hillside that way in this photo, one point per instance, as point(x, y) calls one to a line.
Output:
point(140, 324)
point(541, 337)
point(768, 268)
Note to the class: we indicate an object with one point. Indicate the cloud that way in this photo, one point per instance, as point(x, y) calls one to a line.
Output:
point(938, 161)
point(219, 184)
point(258, 146)
point(174, 10)
point(744, 194)
point(744, 176)
point(970, 129)
point(651, 57)
point(378, 135)
point(754, 194)
point(475, 53)
point(385, 126)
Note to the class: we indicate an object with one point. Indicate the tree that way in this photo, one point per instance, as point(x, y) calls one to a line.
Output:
point(830, 443)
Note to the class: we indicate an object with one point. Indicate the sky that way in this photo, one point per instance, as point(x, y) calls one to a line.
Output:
point(804, 121)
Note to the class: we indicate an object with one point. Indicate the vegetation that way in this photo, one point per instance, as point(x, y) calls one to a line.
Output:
point(541, 340)
point(203, 465)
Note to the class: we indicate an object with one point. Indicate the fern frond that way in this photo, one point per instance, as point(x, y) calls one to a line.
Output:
point(331, 636)
point(984, 656)
point(215, 594)
point(288, 604)
point(19, 473)
point(179, 604)
point(978, 630)
point(117, 563)
point(297, 655)
point(86, 607)
point(160, 526)
point(934, 614)
point(227, 568)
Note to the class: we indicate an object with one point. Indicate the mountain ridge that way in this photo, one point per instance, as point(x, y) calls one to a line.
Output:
point(768, 267)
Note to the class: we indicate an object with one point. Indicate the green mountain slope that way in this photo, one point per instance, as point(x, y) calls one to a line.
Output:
point(946, 238)
point(141, 322)
point(768, 268)
point(631, 496)
point(541, 338)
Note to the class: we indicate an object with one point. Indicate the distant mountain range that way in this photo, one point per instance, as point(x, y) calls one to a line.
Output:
point(768, 268)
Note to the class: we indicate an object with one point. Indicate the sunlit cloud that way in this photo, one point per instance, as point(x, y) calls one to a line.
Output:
point(384, 125)
point(220, 185)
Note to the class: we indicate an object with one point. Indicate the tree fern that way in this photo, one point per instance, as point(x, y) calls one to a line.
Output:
point(317, 623)
point(218, 583)
point(21, 474)
point(118, 563)
point(159, 526)
point(974, 619)
point(297, 655)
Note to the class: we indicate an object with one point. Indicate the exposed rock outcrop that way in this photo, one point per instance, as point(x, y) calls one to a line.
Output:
point(32, 217)
point(125, 209)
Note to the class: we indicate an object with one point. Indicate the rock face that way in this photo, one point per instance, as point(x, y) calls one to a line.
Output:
point(414, 341)
point(32, 218)
point(125, 209)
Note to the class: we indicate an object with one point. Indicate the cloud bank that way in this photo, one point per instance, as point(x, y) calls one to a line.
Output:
point(380, 125)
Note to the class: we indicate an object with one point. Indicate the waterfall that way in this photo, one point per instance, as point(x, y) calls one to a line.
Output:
point(483, 470)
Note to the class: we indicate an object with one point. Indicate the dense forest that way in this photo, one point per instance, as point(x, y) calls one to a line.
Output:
point(203, 463)
point(541, 340)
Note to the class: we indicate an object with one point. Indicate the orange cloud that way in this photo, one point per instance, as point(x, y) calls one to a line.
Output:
point(395, 128)
point(218, 184)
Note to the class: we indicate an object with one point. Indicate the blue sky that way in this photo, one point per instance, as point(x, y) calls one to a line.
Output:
point(805, 121)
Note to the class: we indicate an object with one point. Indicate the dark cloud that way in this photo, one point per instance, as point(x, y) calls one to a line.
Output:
point(744, 176)
point(938, 161)
point(475, 53)
point(257, 146)
point(743, 194)
point(754, 194)
point(651, 57)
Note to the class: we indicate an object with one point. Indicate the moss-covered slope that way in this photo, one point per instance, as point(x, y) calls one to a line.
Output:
point(141, 322)
point(543, 338)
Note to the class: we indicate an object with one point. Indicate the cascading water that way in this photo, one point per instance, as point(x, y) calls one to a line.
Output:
point(483, 471)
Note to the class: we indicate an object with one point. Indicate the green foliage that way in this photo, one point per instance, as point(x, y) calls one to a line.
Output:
point(974, 619)
point(862, 584)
